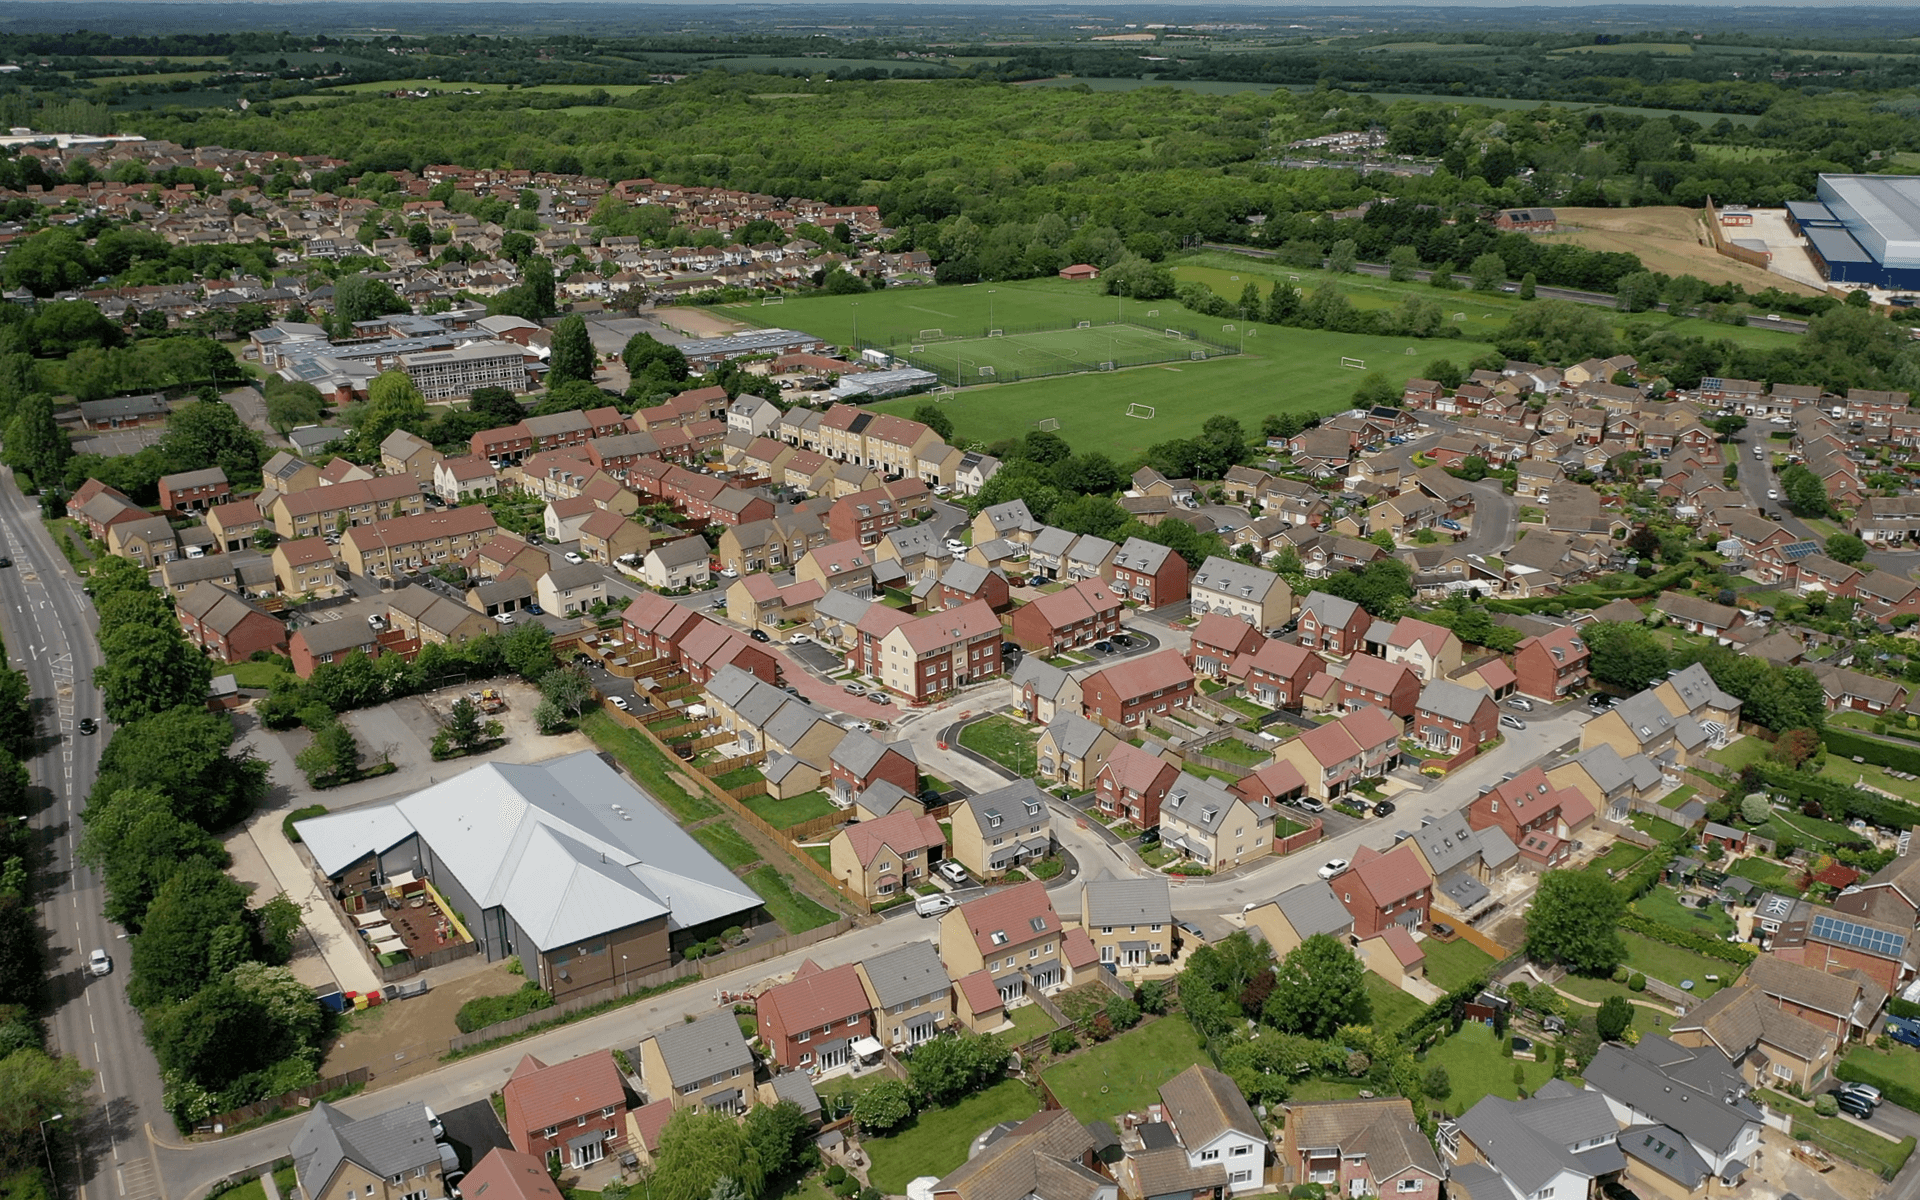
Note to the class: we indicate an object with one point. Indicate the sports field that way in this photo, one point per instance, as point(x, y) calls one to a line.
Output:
point(1013, 356)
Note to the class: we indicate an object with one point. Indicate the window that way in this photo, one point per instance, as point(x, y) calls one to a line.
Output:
point(549, 1131)
point(807, 1058)
point(1420, 1185)
point(396, 1180)
point(1209, 1155)
point(1237, 1151)
point(607, 1111)
point(852, 1021)
point(579, 1122)
point(1783, 1070)
point(803, 1035)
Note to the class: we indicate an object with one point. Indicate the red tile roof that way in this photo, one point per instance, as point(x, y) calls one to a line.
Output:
point(1134, 769)
point(1164, 669)
point(1010, 912)
point(1375, 674)
point(902, 832)
point(937, 631)
point(1394, 875)
point(1403, 946)
point(649, 1119)
point(510, 1175)
point(1219, 629)
point(983, 996)
point(1274, 779)
point(537, 1095)
point(1409, 632)
point(816, 997)
point(1083, 601)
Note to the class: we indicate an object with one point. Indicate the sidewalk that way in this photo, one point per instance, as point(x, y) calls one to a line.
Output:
point(323, 919)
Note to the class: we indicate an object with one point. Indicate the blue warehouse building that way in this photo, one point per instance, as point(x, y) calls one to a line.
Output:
point(1863, 230)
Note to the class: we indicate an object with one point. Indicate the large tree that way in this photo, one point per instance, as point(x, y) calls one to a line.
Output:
point(182, 753)
point(197, 929)
point(697, 1150)
point(1319, 986)
point(1575, 921)
point(137, 842)
point(1624, 654)
point(208, 433)
point(149, 670)
point(947, 1068)
point(36, 1087)
point(571, 356)
point(1805, 494)
point(34, 444)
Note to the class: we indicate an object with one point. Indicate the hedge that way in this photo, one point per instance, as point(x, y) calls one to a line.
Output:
point(1589, 596)
point(1902, 1008)
point(482, 1011)
point(1849, 744)
point(301, 814)
point(1686, 939)
point(1893, 1084)
point(1839, 799)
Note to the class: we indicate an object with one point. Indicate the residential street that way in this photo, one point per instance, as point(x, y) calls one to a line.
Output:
point(49, 627)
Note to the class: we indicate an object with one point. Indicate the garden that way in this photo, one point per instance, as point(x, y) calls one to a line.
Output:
point(935, 1141)
point(1662, 904)
point(1450, 965)
point(1125, 1074)
point(1476, 1068)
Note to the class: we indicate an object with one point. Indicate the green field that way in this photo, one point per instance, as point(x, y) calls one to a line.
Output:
point(1209, 87)
point(1125, 1074)
point(1013, 356)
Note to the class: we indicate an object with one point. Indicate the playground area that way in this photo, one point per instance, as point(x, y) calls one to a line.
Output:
point(1005, 356)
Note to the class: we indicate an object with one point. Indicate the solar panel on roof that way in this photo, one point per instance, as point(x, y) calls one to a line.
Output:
point(1863, 937)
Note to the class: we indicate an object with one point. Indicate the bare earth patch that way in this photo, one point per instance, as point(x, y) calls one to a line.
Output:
point(407, 1037)
point(1668, 239)
point(697, 322)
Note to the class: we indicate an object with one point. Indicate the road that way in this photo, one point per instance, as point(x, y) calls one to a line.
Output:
point(1465, 282)
point(50, 633)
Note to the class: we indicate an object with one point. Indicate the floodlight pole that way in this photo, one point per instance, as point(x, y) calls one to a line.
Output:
point(856, 325)
point(989, 310)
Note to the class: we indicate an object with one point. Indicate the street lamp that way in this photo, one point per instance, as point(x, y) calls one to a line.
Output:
point(49, 1150)
point(623, 974)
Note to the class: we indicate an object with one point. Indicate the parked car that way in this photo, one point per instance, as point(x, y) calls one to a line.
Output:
point(1332, 867)
point(1903, 1029)
point(504, 618)
point(434, 1124)
point(880, 697)
point(1383, 808)
point(758, 635)
point(99, 963)
point(1855, 1105)
point(934, 905)
point(1103, 647)
point(1449, 525)
point(1122, 640)
point(1520, 702)
point(7, 562)
point(1191, 930)
point(1511, 721)
point(1773, 493)
point(620, 702)
point(1867, 1090)
point(956, 546)
point(1600, 702)
point(799, 639)
point(953, 872)
point(573, 557)
point(729, 573)
point(854, 689)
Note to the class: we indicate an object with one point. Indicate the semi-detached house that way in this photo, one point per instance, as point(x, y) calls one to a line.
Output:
point(814, 1022)
point(704, 1063)
point(1335, 757)
point(911, 994)
point(1129, 693)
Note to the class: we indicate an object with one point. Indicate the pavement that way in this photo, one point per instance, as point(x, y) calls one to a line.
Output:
point(50, 634)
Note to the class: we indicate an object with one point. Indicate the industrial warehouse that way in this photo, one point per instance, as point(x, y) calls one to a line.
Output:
point(1863, 230)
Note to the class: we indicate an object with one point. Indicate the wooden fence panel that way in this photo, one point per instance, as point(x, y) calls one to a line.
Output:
point(1475, 937)
point(260, 1108)
point(1315, 830)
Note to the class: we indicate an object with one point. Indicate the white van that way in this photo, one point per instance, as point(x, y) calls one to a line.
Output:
point(934, 905)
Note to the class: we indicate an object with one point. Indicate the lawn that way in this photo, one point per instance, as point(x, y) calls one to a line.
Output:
point(1477, 1069)
point(1004, 740)
point(1764, 872)
point(1451, 964)
point(1392, 1008)
point(936, 1141)
point(1236, 751)
point(1663, 905)
point(820, 854)
point(648, 767)
point(727, 844)
point(1125, 1074)
point(1809, 831)
point(1654, 827)
point(1029, 1022)
point(795, 913)
point(1672, 965)
point(257, 674)
point(1619, 857)
point(1678, 796)
point(1739, 754)
point(782, 814)
point(1846, 771)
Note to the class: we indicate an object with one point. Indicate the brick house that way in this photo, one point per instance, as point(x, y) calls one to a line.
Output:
point(1334, 757)
point(1149, 574)
point(1375, 681)
point(878, 858)
point(1078, 615)
point(1132, 783)
point(1449, 718)
point(1380, 890)
point(1332, 625)
point(862, 760)
point(1276, 675)
point(194, 491)
point(1551, 666)
point(1127, 693)
point(868, 516)
point(227, 627)
point(1218, 640)
point(928, 656)
point(811, 1023)
point(575, 1111)
point(1537, 817)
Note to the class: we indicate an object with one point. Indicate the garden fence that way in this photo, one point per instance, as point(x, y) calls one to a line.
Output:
point(273, 1104)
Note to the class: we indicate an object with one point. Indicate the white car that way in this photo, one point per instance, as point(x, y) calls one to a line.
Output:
point(799, 639)
point(952, 871)
point(729, 573)
point(1332, 867)
point(1773, 494)
point(956, 546)
point(504, 618)
point(620, 702)
point(99, 963)
point(574, 558)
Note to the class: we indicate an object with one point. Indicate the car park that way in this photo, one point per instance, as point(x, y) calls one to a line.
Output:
point(89, 725)
point(953, 872)
point(1511, 721)
point(1520, 702)
point(1332, 867)
point(99, 963)
point(758, 635)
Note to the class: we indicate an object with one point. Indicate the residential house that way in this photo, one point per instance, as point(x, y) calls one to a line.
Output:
point(1149, 574)
point(403, 545)
point(330, 641)
point(1331, 625)
point(1358, 1148)
point(704, 1063)
point(881, 859)
point(1838, 943)
point(284, 474)
point(1449, 718)
point(1689, 1129)
point(431, 619)
point(1366, 680)
point(1218, 641)
point(1228, 587)
point(1846, 1004)
point(1609, 782)
point(1071, 750)
point(226, 627)
point(1432, 652)
point(574, 1112)
point(1385, 889)
point(861, 760)
point(925, 657)
point(1773, 1047)
point(676, 565)
point(1214, 1126)
point(1696, 615)
point(1464, 863)
point(1004, 945)
point(1130, 922)
point(336, 1157)
point(1299, 913)
point(1006, 827)
point(305, 567)
point(1860, 693)
point(1277, 674)
point(1130, 693)
point(403, 453)
point(573, 589)
point(191, 492)
point(234, 524)
point(149, 541)
point(1214, 827)
point(503, 1174)
point(327, 508)
point(1085, 612)
point(1050, 1154)
point(911, 995)
point(1561, 1142)
point(467, 477)
point(1551, 666)
point(1133, 783)
point(1333, 758)
point(1537, 817)
point(1045, 691)
point(811, 1023)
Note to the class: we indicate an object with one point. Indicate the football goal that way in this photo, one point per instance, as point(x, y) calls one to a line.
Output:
point(1047, 424)
point(929, 335)
point(1175, 334)
point(1153, 312)
point(1227, 328)
point(1143, 411)
point(996, 333)
point(766, 300)
point(1083, 325)
point(1358, 364)
point(915, 348)
point(1197, 355)
point(988, 371)
point(1107, 366)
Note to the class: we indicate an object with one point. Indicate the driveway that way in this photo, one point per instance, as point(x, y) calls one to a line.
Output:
point(251, 407)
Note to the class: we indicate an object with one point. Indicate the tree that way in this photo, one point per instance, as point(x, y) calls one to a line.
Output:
point(1445, 372)
point(1637, 292)
point(727, 1188)
point(567, 687)
point(1284, 304)
point(946, 1068)
point(1527, 285)
point(572, 354)
point(777, 1132)
point(1376, 391)
point(1754, 808)
point(497, 405)
point(1574, 922)
point(1382, 587)
point(34, 444)
point(1805, 493)
point(35, 1086)
point(645, 356)
point(197, 929)
point(1402, 261)
point(1095, 474)
point(209, 434)
point(697, 1150)
point(883, 1106)
point(1436, 1084)
point(528, 651)
point(182, 753)
point(1045, 448)
point(149, 670)
point(934, 417)
point(1341, 258)
point(1319, 987)
point(1846, 548)
point(464, 727)
point(361, 298)
point(332, 754)
point(1625, 655)
point(1615, 1015)
point(1488, 272)
point(136, 841)
point(1726, 427)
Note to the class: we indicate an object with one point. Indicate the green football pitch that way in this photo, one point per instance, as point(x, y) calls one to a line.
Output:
point(1014, 356)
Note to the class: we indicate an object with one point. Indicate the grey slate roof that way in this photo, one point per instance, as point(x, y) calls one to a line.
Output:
point(1074, 735)
point(1529, 1142)
point(1138, 554)
point(385, 1144)
point(1675, 1085)
point(778, 766)
point(1128, 902)
point(918, 539)
point(1198, 802)
point(1451, 700)
point(1496, 848)
point(586, 574)
point(1234, 578)
point(858, 752)
point(1665, 1150)
point(1448, 843)
point(906, 974)
point(681, 553)
point(1009, 517)
point(1313, 908)
point(795, 1087)
point(730, 685)
point(966, 577)
point(1329, 609)
point(1052, 541)
point(1647, 719)
point(698, 1050)
point(1013, 800)
point(1610, 772)
point(1696, 688)
point(1047, 679)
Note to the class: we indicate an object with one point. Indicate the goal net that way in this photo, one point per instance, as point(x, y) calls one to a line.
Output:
point(984, 371)
point(1197, 355)
point(1107, 366)
point(1047, 424)
point(766, 300)
point(1083, 325)
point(915, 348)
point(929, 335)
point(1143, 411)
point(1358, 364)
point(1175, 334)
point(996, 333)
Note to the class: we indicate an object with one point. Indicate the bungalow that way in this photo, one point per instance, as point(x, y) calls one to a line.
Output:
point(1696, 615)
